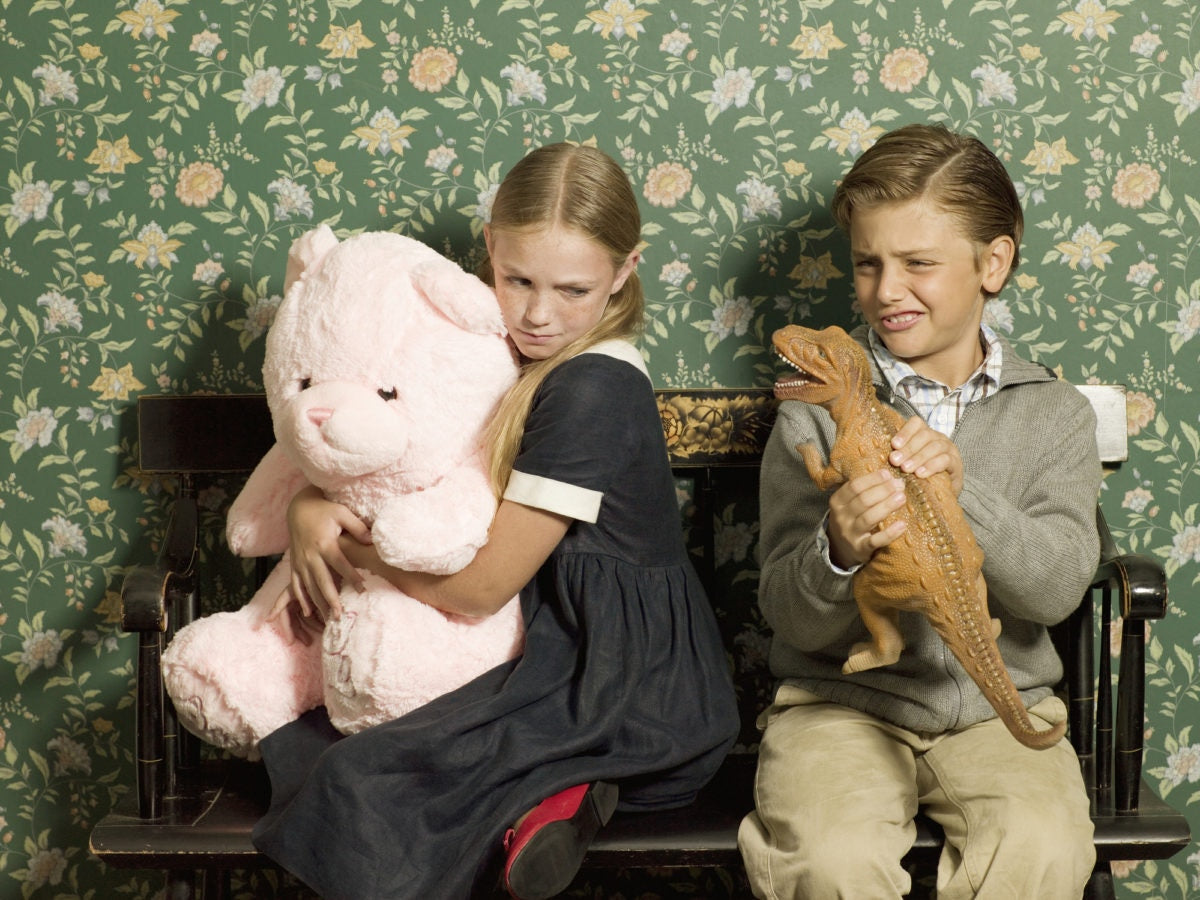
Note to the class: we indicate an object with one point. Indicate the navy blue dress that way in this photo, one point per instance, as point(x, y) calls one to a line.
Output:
point(623, 678)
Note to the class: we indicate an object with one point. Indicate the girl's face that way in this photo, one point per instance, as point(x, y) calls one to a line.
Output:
point(921, 285)
point(553, 285)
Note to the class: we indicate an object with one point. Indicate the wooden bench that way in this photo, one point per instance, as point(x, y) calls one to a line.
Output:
point(192, 813)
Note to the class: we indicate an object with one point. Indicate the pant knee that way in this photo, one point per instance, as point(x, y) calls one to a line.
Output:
point(831, 860)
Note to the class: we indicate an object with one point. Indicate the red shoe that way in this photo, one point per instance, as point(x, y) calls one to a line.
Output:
point(545, 850)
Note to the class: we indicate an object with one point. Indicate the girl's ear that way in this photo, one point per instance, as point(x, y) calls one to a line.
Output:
point(626, 270)
point(997, 262)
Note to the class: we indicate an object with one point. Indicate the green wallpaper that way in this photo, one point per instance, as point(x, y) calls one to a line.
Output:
point(157, 156)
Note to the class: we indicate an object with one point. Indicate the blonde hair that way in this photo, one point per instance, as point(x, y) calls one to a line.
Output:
point(955, 171)
point(581, 188)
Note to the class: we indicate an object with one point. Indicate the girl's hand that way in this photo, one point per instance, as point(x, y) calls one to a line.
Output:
point(295, 619)
point(918, 449)
point(856, 512)
point(318, 564)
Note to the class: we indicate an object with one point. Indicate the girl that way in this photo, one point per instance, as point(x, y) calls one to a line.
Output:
point(623, 690)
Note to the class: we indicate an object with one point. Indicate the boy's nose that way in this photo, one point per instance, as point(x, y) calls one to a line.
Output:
point(891, 284)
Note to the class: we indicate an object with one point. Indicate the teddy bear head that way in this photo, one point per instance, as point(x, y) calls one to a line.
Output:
point(384, 363)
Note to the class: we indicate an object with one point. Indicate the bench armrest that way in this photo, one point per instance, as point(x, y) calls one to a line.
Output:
point(156, 600)
point(1134, 587)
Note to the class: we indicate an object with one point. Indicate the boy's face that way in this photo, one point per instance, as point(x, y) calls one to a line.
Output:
point(921, 285)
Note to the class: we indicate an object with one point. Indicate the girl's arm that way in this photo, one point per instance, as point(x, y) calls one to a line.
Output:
point(521, 539)
point(329, 543)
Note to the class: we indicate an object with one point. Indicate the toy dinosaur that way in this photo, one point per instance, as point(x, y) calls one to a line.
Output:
point(935, 566)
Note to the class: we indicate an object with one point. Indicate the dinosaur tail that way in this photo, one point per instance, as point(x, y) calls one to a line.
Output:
point(981, 658)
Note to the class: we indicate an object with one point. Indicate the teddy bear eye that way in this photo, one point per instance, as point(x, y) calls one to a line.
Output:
point(388, 395)
point(305, 384)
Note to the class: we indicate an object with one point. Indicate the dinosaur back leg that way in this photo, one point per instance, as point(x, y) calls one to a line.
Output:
point(886, 641)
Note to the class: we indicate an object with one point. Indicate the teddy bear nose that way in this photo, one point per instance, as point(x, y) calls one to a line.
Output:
point(319, 415)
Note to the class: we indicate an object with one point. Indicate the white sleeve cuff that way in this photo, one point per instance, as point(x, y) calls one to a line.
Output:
point(554, 496)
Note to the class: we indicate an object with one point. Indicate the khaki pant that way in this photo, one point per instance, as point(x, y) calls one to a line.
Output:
point(837, 789)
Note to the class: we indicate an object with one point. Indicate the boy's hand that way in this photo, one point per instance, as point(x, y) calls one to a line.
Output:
point(918, 449)
point(856, 512)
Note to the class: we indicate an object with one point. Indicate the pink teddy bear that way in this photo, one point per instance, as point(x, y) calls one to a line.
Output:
point(383, 366)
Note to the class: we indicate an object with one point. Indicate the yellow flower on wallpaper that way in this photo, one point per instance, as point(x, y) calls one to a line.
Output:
point(815, 272)
point(903, 70)
point(618, 18)
point(199, 183)
point(1086, 248)
point(147, 19)
point(89, 51)
point(93, 280)
point(1089, 19)
point(815, 43)
point(344, 43)
point(115, 384)
point(384, 133)
point(558, 51)
point(1026, 282)
point(432, 68)
point(112, 156)
point(853, 134)
point(152, 248)
point(667, 184)
point(325, 166)
point(1048, 159)
point(1136, 185)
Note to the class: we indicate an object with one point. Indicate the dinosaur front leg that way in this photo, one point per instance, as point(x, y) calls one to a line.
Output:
point(886, 640)
point(823, 476)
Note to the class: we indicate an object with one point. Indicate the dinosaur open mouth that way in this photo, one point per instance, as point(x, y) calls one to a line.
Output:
point(790, 384)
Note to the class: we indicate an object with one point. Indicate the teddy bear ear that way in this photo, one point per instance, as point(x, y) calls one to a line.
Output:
point(307, 252)
point(459, 296)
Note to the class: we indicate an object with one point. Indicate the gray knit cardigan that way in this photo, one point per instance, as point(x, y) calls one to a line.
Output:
point(1031, 475)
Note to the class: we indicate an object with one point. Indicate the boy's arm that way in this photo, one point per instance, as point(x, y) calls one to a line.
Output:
point(1040, 550)
point(806, 603)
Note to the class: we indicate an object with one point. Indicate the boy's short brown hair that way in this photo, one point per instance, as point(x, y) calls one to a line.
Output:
point(955, 171)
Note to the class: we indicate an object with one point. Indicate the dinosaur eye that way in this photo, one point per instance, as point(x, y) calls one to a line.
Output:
point(388, 395)
point(305, 384)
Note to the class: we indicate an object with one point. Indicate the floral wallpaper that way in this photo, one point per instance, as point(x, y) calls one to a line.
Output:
point(158, 156)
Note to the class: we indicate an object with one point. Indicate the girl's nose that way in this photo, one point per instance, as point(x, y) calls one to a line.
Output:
point(537, 310)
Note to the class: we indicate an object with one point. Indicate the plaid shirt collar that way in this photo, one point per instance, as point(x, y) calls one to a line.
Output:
point(937, 403)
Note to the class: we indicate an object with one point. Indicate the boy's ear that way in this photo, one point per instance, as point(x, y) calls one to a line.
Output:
point(997, 262)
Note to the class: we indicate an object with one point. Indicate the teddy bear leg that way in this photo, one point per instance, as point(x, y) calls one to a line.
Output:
point(389, 653)
point(235, 677)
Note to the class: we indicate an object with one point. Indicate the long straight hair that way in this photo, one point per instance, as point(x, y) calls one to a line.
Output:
point(581, 188)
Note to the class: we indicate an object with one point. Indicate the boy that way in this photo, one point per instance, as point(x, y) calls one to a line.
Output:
point(846, 760)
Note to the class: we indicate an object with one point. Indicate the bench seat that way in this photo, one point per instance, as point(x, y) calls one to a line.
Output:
point(186, 816)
